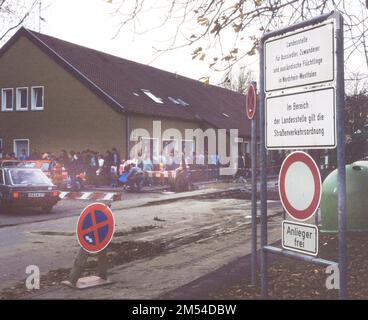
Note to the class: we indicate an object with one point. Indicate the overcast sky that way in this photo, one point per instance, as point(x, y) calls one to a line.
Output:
point(91, 23)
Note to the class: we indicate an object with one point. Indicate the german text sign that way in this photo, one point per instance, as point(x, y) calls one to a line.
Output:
point(301, 120)
point(300, 58)
point(300, 69)
point(300, 237)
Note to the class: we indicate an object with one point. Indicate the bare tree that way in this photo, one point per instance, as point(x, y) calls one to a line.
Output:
point(356, 84)
point(234, 27)
point(237, 79)
point(13, 13)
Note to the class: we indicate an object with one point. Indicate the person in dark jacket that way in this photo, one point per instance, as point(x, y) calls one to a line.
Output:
point(115, 157)
point(34, 155)
point(135, 178)
point(73, 170)
point(106, 172)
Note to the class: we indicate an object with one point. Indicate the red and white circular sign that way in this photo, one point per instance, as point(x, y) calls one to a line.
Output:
point(300, 185)
point(251, 102)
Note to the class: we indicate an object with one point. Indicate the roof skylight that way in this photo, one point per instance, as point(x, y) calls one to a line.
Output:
point(226, 115)
point(183, 103)
point(178, 101)
point(152, 96)
point(173, 100)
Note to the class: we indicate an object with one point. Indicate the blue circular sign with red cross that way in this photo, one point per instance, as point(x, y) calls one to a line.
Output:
point(95, 227)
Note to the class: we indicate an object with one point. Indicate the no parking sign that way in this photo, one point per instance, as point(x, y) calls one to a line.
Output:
point(95, 227)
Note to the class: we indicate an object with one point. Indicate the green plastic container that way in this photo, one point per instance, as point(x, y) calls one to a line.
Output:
point(356, 199)
point(363, 163)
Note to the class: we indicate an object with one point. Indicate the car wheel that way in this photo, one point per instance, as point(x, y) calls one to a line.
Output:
point(47, 209)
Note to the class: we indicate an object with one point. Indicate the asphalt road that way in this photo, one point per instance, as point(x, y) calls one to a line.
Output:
point(64, 208)
point(197, 236)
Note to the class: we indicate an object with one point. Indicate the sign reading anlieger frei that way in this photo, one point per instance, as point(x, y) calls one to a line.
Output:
point(300, 237)
point(300, 58)
point(300, 88)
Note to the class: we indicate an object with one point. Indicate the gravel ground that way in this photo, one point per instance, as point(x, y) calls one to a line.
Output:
point(293, 279)
point(118, 253)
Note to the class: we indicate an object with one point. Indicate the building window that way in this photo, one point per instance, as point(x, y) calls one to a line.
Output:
point(37, 98)
point(149, 148)
point(1, 148)
point(7, 99)
point(246, 147)
point(21, 148)
point(169, 146)
point(187, 146)
point(22, 99)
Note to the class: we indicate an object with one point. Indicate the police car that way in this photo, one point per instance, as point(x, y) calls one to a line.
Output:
point(22, 188)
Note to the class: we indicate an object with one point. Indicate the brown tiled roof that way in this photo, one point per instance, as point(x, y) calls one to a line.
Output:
point(116, 80)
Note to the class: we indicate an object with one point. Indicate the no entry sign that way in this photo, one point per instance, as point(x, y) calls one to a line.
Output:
point(300, 185)
point(250, 103)
point(95, 227)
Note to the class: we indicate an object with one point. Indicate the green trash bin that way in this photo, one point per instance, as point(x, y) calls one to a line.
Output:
point(363, 163)
point(356, 199)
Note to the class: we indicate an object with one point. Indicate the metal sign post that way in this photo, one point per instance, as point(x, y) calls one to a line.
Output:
point(251, 106)
point(302, 106)
point(263, 174)
point(341, 173)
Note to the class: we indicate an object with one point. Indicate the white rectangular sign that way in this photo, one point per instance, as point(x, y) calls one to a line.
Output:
point(301, 120)
point(300, 58)
point(300, 237)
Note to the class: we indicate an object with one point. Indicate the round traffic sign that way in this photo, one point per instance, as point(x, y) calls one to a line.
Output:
point(251, 101)
point(95, 227)
point(300, 185)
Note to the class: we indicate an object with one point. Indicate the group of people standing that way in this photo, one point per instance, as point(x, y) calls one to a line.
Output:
point(92, 167)
point(106, 169)
point(87, 166)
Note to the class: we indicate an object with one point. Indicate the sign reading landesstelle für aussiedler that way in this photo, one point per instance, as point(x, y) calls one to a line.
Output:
point(300, 88)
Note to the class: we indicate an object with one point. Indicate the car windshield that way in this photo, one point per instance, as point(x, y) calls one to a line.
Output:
point(28, 177)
